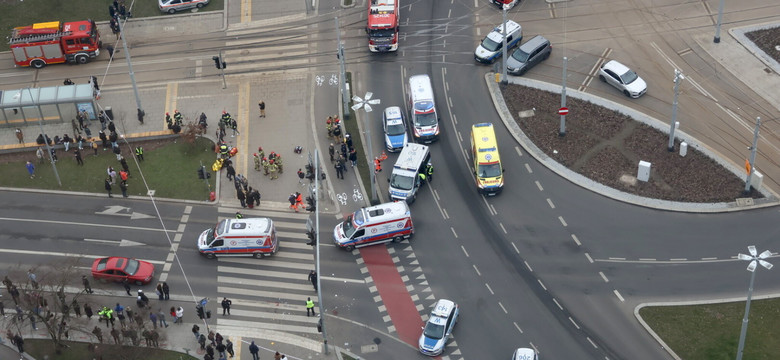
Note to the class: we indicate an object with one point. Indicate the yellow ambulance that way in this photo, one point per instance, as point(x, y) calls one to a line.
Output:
point(487, 163)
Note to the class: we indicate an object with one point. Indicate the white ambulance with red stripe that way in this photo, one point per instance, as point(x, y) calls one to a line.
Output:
point(374, 225)
point(240, 237)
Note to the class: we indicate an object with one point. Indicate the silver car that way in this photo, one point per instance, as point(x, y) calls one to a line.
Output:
point(623, 78)
point(528, 55)
point(172, 6)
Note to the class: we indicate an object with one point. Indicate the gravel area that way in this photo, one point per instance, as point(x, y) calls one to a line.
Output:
point(767, 40)
point(606, 146)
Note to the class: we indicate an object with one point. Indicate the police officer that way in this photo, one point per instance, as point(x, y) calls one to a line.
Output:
point(429, 172)
point(422, 178)
point(310, 307)
point(139, 153)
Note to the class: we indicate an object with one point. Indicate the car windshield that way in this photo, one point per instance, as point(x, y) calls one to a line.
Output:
point(520, 55)
point(491, 45)
point(425, 119)
point(348, 227)
point(132, 266)
point(401, 182)
point(397, 129)
point(210, 236)
point(220, 228)
point(629, 77)
point(375, 33)
point(489, 170)
point(434, 331)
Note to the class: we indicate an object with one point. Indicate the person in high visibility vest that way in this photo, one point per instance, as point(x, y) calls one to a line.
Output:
point(299, 200)
point(257, 162)
point(265, 164)
point(223, 150)
point(310, 307)
point(139, 153)
point(239, 215)
point(273, 168)
point(178, 117)
point(278, 162)
point(377, 165)
point(422, 178)
point(429, 172)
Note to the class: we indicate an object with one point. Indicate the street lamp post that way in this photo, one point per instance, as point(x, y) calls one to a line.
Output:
point(754, 261)
point(366, 104)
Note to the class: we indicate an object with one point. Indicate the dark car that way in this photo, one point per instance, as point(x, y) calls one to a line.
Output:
point(528, 55)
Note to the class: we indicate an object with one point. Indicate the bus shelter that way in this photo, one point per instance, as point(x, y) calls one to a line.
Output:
point(50, 104)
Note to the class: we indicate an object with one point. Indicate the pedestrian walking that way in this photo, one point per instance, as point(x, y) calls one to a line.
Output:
point(241, 197)
point(231, 172)
point(119, 311)
point(161, 318)
point(211, 338)
point(79, 159)
point(221, 348)
point(277, 356)
point(19, 135)
point(254, 350)
point(112, 174)
point(291, 199)
point(155, 338)
point(19, 342)
point(257, 161)
point(153, 318)
point(32, 321)
point(115, 335)
point(33, 278)
point(166, 291)
point(179, 315)
point(87, 287)
point(139, 153)
point(108, 186)
point(353, 156)
point(301, 176)
point(88, 311)
point(142, 298)
point(76, 308)
point(313, 279)
point(310, 307)
point(98, 333)
point(123, 187)
point(30, 169)
point(229, 347)
point(126, 285)
point(196, 332)
point(159, 291)
point(226, 305)
point(339, 170)
point(261, 105)
point(331, 151)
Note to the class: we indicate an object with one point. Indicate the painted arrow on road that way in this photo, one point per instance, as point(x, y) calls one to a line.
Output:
point(122, 242)
point(116, 209)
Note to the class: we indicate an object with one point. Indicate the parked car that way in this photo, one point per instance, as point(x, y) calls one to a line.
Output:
point(395, 129)
point(117, 268)
point(439, 327)
point(172, 6)
point(622, 78)
point(525, 354)
point(528, 55)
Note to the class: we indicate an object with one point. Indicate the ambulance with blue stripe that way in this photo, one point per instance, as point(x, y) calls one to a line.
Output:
point(239, 237)
point(375, 225)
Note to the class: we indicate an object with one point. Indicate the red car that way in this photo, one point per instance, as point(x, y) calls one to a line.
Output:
point(117, 268)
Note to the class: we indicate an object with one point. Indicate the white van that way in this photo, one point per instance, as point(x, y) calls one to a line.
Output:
point(491, 48)
point(374, 225)
point(239, 237)
point(404, 182)
point(425, 120)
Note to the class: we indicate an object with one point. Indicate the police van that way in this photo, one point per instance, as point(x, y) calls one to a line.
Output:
point(491, 48)
point(404, 179)
point(240, 237)
point(374, 225)
point(487, 163)
point(425, 120)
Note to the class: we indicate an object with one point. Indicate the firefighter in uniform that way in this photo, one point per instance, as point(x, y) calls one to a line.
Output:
point(260, 152)
point(278, 162)
point(273, 168)
point(265, 166)
point(178, 117)
point(225, 119)
point(169, 121)
point(239, 215)
point(257, 162)
point(223, 151)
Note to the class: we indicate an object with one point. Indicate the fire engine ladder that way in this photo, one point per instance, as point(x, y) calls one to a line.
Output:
point(39, 37)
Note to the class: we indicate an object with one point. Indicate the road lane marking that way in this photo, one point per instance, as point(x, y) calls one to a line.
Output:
point(542, 284)
point(453, 232)
point(51, 253)
point(354, 281)
point(503, 308)
point(528, 266)
point(563, 222)
point(576, 241)
point(477, 270)
point(590, 259)
point(618, 296)
point(604, 277)
point(122, 242)
point(84, 224)
point(503, 228)
point(464, 250)
point(574, 323)
point(557, 303)
point(519, 152)
point(592, 343)
point(549, 202)
point(491, 290)
point(515, 246)
point(518, 327)
point(539, 185)
point(528, 168)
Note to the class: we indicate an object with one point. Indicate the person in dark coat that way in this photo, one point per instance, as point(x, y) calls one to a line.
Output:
point(241, 197)
point(88, 311)
point(108, 186)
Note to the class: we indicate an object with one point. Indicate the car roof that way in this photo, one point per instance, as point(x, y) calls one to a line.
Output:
point(497, 33)
point(393, 113)
point(525, 353)
point(112, 261)
point(616, 67)
point(533, 43)
point(443, 308)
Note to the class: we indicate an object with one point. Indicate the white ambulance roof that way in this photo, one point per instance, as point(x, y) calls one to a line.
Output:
point(247, 227)
point(386, 211)
point(420, 86)
point(412, 155)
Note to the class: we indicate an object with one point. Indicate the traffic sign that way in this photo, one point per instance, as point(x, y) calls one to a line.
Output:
point(563, 111)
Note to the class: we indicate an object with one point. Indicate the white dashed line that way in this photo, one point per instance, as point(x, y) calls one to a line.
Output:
point(616, 258)
point(574, 323)
point(708, 258)
point(619, 296)
point(515, 246)
point(518, 327)
point(446, 215)
point(528, 168)
point(557, 303)
point(678, 259)
point(464, 251)
point(477, 270)
point(646, 259)
point(539, 185)
point(489, 289)
point(576, 241)
point(540, 283)
point(602, 276)
point(563, 222)
point(590, 259)
point(549, 202)
point(453, 232)
point(502, 227)
point(592, 343)
point(503, 308)
point(519, 152)
point(529, 269)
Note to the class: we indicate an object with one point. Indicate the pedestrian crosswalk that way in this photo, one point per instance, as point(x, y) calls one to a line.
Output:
point(265, 50)
point(269, 294)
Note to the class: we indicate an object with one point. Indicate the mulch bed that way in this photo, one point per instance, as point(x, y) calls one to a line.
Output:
point(606, 146)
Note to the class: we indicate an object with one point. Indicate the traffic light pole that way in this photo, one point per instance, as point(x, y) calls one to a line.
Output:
point(141, 112)
point(222, 62)
point(317, 247)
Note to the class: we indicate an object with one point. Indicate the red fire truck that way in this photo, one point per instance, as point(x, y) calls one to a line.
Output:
point(382, 26)
point(55, 42)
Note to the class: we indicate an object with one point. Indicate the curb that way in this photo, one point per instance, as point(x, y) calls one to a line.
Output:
point(771, 199)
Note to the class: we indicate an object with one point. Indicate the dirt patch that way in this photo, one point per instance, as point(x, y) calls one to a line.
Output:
point(767, 40)
point(605, 145)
